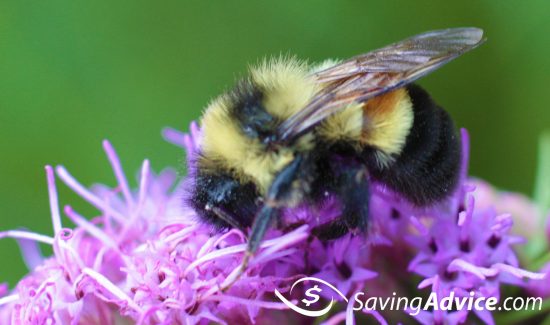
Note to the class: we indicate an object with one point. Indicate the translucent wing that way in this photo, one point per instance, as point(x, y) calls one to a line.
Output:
point(368, 75)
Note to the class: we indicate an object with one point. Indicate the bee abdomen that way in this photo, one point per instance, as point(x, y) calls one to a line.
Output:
point(427, 168)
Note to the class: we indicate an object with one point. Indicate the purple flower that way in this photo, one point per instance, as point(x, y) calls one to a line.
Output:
point(471, 251)
point(146, 258)
point(523, 211)
point(347, 271)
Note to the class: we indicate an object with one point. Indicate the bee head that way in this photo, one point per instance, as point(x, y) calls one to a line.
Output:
point(241, 128)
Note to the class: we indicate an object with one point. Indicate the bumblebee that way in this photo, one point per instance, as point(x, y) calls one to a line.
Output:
point(289, 133)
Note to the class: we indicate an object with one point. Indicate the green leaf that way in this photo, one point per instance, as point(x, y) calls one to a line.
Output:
point(542, 184)
point(538, 243)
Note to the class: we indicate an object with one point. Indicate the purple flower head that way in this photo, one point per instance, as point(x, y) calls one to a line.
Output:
point(147, 258)
point(348, 272)
point(144, 258)
point(470, 252)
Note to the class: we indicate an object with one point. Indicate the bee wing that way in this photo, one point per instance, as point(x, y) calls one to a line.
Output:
point(371, 74)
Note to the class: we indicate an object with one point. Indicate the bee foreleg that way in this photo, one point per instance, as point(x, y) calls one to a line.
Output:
point(260, 226)
point(276, 197)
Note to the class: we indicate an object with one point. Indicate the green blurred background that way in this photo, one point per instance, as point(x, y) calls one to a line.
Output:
point(73, 73)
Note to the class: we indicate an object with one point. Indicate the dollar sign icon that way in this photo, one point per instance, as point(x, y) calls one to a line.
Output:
point(314, 297)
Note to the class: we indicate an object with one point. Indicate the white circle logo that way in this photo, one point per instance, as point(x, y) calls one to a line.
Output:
point(312, 295)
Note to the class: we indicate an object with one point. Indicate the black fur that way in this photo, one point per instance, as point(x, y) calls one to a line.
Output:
point(427, 169)
point(220, 191)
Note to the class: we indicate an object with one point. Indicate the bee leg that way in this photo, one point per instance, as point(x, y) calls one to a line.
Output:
point(350, 183)
point(329, 231)
point(276, 197)
point(354, 194)
point(351, 186)
point(260, 226)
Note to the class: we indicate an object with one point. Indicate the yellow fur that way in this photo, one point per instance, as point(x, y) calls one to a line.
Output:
point(287, 85)
point(346, 125)
point(324, 65)
point(388, 120)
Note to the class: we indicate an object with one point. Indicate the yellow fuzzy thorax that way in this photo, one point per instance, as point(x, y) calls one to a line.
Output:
point(287, 85)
